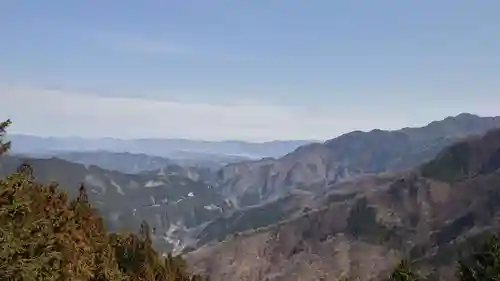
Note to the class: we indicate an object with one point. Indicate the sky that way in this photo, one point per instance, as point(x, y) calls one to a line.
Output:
point(248, 70)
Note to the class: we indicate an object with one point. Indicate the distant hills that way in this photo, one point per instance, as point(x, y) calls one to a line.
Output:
point(170, 148)
point(132, 163)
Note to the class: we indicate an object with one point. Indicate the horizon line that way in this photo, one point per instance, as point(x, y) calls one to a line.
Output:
point(240, 140)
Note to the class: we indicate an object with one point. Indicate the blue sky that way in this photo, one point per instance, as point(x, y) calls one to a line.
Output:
point(253, 70)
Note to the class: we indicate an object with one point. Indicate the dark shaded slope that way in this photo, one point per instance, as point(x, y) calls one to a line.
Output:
point(466, 159)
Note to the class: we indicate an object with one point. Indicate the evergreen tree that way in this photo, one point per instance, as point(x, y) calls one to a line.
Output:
point(103, 258)
point(4, 145)
point(403, 272)
point(40, 239)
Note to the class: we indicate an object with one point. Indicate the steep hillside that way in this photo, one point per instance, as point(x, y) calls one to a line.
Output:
point(172, 203)
point(315, 166)
point(430, 215)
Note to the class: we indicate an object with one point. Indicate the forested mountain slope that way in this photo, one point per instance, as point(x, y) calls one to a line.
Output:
point(429, 215)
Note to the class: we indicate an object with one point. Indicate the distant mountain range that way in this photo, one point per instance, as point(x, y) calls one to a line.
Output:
point(264, 208)
point(170, 148)
point(131, 163)
point(361, 229)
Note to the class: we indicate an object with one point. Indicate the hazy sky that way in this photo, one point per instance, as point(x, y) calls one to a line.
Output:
point(252, 70)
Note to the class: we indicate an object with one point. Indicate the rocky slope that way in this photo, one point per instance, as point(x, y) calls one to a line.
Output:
point(315, 166)
point(430, 215)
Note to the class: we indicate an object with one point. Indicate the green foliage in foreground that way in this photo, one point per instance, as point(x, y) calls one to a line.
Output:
point(484, 264)
point(403, 272)
point(45, 236)
point(4, 146)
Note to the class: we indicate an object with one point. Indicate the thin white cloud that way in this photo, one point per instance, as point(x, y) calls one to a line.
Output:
point(138, 44)
point(147, 45)
point(62, 113)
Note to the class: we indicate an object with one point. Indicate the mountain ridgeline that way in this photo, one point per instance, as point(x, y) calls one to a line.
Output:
point(317, 166)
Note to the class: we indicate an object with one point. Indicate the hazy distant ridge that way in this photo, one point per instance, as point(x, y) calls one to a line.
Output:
point(172, 148)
